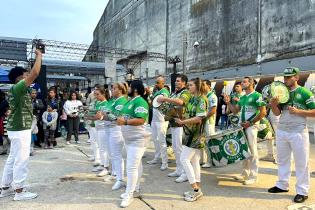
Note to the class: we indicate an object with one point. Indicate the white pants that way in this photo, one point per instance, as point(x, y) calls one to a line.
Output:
point(190, 160)
point(102, 138)
point(159, 138)
point(177, 135)
point(94, 145)
point(298, 144)
point(116, 145)
point(270, 143)
point(250, 165)
point(134, 167)
point(16, 166)
point(206, 156)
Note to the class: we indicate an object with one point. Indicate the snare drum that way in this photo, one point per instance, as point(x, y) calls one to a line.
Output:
point(228, 147)
point(162, 107)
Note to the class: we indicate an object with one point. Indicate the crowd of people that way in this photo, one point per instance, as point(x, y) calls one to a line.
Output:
point(122, 119)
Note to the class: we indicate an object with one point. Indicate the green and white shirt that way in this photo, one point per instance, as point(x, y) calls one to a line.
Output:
point(250, 105)
point(213, 102)
point(157, 115)
point(196, 107)
point(135, 108)
point(21, 116)
point(101, 106)
point(301, 98)
point(236, 95)
point(116, 108)
point(185, 96)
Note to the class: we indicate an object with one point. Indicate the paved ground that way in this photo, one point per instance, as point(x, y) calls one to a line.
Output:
point(159, 192)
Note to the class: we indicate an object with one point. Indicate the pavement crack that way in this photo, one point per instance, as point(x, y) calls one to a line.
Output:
point(146, 203)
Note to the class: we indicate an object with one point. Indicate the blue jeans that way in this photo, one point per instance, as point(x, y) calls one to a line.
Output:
point(224, 121)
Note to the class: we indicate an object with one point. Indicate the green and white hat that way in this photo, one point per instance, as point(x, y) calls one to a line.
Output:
point(291, 71)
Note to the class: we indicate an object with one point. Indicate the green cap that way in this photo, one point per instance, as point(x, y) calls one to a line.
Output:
point(291, 71)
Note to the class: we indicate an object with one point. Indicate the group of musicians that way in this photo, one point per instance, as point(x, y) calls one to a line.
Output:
point(121, 121)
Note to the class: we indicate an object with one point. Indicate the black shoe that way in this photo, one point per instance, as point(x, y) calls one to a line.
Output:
point(276, 189)
point(300, 198)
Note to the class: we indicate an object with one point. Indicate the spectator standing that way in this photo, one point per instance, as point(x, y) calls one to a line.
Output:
point(38, 107)
point(50, 118)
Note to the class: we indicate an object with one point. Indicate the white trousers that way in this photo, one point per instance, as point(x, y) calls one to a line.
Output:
point(116, 145)
point(134, 167)
point(159, 138)
point(177, 135)
point(190, 158)
point(250, 165)
point(206, 156)
point(16, 166)
point(298, 144)
point(94, 145)
point(102, 138)
point(270, 143)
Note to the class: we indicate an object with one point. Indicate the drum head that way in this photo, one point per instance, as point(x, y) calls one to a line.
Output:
point(266, 92)
point(155, 103)
point(281, 91)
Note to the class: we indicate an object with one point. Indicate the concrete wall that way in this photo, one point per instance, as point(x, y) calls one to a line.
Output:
point(230, 33)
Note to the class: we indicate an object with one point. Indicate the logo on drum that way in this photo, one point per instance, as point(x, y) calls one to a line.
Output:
point(231, 147)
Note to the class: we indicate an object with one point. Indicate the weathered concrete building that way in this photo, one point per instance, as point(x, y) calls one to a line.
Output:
point(216, 37)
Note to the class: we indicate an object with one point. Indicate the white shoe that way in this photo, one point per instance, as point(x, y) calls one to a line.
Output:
point(24, 195)
point(136, 194)
point(68, 143)
point(126, 201)
point(78, 142)
point(97, 169)
point(181, 179)
point(164, 166)
point(173, 174)
point(193, 196)
point(152, 162)
point(118, 185)
point(7, 192)
point(103, 173)
point(206, 165)
point(250, 181)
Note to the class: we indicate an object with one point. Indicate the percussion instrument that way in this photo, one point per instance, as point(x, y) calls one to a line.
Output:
point(265, 130)
point(228, 147)
point(169, 110)
point(276, 89)
point(162, 107)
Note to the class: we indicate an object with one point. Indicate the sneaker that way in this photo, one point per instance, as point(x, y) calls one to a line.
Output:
point(24, 195)
point(173, 174)
point(104, 172)
point(181, 179)
point(118, 184)
point(300, 198)
point(164, 166)
point(7, 192)
point(98, 168)
point(250, 181)
point(193, 196)
point(268, 158)
point(136, 194)
point(68, 143)
point(51, 147)
point(126, 201)
point(77, 142)
point(206, 165)
point(276, 189)
point(152, 162)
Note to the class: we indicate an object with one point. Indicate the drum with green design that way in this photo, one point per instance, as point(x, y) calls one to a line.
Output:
point(228, 147)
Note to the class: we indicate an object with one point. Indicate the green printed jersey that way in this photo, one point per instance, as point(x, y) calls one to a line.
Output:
point(21, 115)
point(185, 96)
point(157, 116)
point(196, 107)
point(250, 105)
point(163, 92)
point(300, 98)
point(236, 95)
point(118, 105)
point(136, 108)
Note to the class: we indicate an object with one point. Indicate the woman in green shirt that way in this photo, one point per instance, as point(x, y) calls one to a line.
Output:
point(194, 123)
point(116, 140)
point(133, 120)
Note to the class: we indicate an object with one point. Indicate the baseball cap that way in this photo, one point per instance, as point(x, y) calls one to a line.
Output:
point(291, 71)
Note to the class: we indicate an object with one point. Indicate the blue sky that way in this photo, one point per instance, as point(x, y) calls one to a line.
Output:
point(63, 20)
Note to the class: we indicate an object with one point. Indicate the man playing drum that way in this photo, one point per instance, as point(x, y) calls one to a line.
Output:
point(252, 109)
point(180, 98)
point(210, 124)
point(292, 136)
point(159, 127)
